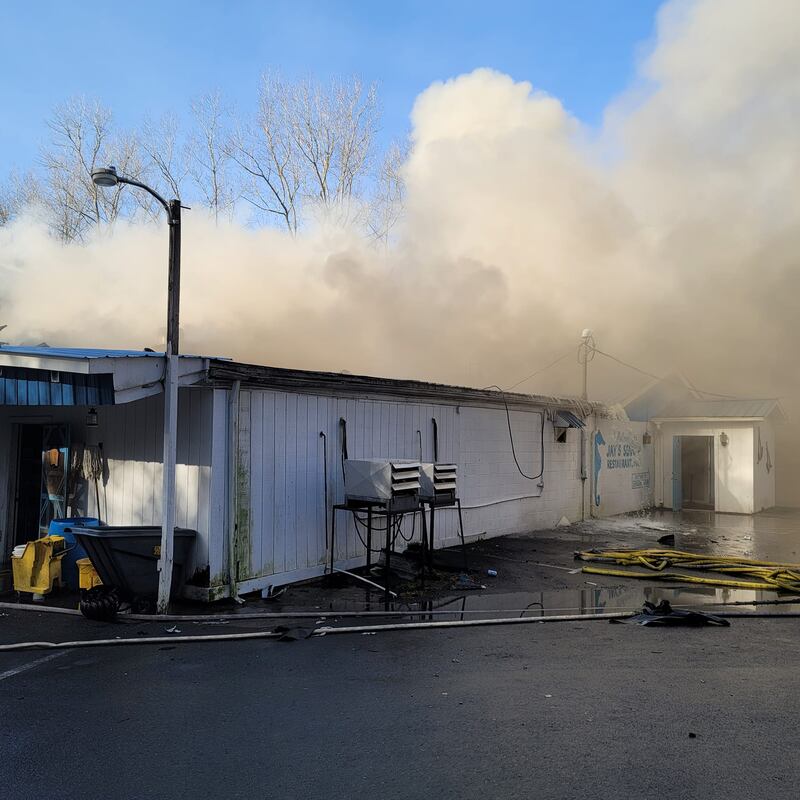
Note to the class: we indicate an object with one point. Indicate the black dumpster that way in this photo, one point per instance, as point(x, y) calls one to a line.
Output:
point(126, 557)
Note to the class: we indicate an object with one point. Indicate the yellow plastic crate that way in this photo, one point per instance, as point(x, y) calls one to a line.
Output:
point(37, 565)
point(87, 574)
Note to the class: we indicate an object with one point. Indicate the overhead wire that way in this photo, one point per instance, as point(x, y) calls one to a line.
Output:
point(623, 363)
point(538, 371)
point(664, 379)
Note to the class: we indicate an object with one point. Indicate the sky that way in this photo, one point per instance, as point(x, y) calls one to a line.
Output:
point(148, 58)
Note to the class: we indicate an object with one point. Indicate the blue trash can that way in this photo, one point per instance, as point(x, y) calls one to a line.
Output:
point(63, 527)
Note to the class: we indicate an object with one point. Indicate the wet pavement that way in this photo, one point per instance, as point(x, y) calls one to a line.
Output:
point(567, 710)
point(537, 573)
point(575, 709)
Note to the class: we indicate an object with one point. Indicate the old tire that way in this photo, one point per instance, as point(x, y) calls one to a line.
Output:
point(100, 603)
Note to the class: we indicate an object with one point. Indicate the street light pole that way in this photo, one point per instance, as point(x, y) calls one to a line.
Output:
point(109, 177)
point(170, 407)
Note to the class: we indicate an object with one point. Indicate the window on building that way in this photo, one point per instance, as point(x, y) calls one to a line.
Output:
point(561, 434)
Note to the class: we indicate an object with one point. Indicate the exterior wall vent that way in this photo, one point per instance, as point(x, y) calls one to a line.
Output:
point(382, 481)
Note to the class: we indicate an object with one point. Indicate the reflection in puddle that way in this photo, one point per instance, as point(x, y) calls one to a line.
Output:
point(596, 600)
point(590, 600)
point(545, 559)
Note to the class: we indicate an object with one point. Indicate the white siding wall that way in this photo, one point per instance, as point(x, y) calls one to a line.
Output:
point(764, 466)
point(281, 528)
point(132, 437)
point(281, 476)
point(281, 521)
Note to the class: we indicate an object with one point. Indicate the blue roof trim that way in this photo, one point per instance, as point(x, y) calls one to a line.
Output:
point(20, 386)
point(83, 353)
point(76, 352)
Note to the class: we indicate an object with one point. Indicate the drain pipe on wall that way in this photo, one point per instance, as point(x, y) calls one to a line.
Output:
point(583, 475)
point(593, 472)
point(233, 487)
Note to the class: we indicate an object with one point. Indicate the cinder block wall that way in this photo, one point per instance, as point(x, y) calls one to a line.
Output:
point(622, 467)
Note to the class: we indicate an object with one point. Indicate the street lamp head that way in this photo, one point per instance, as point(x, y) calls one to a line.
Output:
point(105, 177)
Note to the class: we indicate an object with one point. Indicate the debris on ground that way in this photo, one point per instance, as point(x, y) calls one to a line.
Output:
point(466, 583)
point(292, 633)
point(404, 566)
point(664, 615)
point(276, 592)
point(492, 573)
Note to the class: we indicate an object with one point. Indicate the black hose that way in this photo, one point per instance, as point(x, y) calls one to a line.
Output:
point(382, 529)
point(410, 537)
point(511, 437)
point(513, 449)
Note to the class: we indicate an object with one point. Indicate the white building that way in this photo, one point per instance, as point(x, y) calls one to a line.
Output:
point(717, 455)
point(257, 444)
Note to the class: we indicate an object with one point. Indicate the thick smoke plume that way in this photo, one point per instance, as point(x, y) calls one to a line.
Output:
point(672, 232)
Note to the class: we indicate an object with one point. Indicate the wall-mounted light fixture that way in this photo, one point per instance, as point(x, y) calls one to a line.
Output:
point(723, 439)
point(91, 418)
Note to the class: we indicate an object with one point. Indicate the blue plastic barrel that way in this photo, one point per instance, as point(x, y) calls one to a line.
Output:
point(63, 527)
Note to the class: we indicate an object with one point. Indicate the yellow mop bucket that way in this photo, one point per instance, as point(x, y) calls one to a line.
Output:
point(37, 565)
point(87, 574)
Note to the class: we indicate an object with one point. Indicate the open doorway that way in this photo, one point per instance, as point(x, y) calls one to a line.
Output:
point(697, 472)
point(43, 479)
point(29, 483)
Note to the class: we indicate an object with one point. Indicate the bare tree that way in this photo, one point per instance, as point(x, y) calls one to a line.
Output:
point(388, 198)
point(82, 140)
point(7, 205)
point(266, 153)
point(333, 129)
point(311, 146)
point(20, 192)
point(165, 155)
point(208, 156)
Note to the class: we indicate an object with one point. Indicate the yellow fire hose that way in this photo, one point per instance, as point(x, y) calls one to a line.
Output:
point(768, 575)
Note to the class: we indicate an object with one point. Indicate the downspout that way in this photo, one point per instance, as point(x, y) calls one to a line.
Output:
point(233, 487)
point(583, 475)
point(658, 468)
point(594, 472)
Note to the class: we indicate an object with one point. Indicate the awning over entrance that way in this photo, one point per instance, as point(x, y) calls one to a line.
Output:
point(51, 376)
point(566, 419)
point(35, 387)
